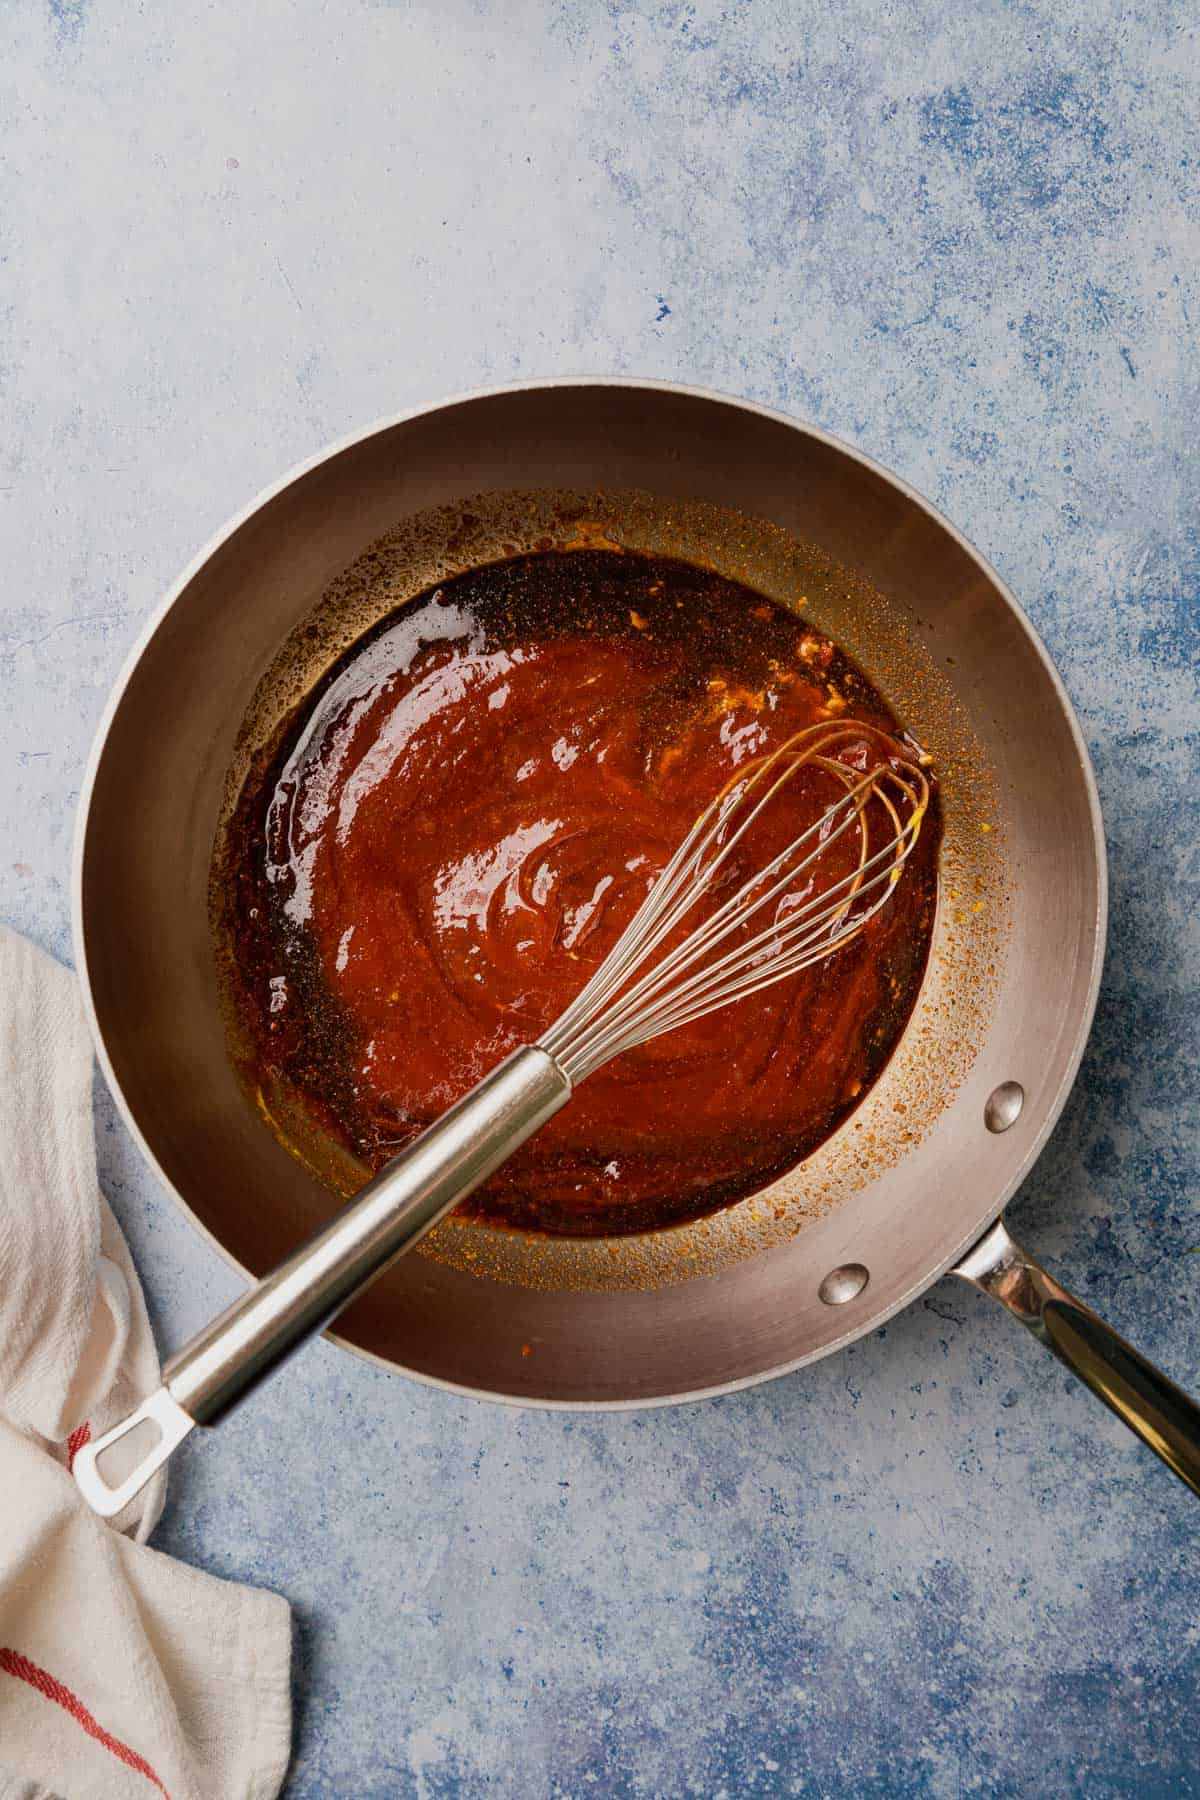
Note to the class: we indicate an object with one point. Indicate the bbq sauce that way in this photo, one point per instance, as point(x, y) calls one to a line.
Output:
point(457, 824)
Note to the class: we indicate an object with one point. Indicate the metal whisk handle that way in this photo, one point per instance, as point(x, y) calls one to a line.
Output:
point(405, 1200)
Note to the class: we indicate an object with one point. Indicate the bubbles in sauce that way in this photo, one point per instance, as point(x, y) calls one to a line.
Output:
point(458, 824)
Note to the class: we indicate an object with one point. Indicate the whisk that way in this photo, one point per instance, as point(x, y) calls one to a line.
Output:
point(675, 961)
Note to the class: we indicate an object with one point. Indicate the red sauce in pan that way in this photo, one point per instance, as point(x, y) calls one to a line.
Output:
point(463, 817)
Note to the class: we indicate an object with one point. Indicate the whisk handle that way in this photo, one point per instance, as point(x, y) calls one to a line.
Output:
point(405, 1200)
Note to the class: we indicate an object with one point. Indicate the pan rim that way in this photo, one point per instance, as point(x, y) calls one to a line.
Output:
point(1053, 1107)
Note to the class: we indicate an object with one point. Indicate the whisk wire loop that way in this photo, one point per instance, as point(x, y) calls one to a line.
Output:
point(637, 994)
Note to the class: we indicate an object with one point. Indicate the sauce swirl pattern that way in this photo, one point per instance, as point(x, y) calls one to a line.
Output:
point(465, 816)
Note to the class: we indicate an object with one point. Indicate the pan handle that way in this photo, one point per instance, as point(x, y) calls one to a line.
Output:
point(1161, 1414)
point(297, 1300)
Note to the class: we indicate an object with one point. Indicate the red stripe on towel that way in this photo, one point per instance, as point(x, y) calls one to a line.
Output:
point(81, 1435)
point(13, 1663)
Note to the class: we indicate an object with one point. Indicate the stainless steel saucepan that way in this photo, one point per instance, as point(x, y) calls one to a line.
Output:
point(851, 1238)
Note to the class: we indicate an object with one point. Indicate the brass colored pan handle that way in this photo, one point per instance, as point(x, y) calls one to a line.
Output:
point(1161, 1414)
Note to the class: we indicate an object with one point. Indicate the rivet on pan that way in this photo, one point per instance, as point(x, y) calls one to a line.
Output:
point(1004, 1106)
point(843, 1284)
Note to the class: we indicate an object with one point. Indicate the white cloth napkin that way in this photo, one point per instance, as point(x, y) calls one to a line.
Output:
point(122, 1673)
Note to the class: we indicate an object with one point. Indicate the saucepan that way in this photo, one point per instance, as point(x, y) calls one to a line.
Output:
point(912, 1186)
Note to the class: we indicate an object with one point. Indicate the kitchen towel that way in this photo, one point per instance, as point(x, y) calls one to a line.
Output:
point(122, 1672)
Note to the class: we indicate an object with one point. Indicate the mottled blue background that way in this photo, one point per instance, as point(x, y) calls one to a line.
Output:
point(962, 237)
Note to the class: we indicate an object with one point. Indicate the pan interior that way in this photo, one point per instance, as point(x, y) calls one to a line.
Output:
point(785, 510)
point(939, 1044)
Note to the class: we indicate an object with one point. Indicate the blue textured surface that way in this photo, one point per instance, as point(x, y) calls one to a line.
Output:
point(963, 238)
